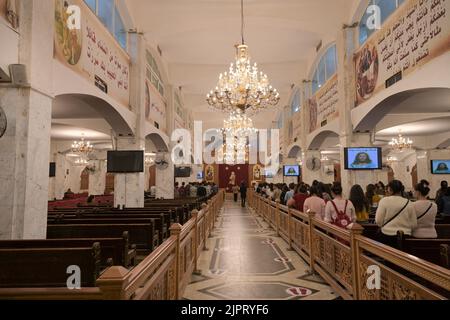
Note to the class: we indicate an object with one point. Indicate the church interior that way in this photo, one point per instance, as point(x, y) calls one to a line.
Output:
point(224, 150)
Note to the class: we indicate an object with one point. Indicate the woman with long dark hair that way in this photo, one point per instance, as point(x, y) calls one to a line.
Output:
point(360, 203)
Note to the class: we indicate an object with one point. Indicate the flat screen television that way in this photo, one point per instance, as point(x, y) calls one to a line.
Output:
point(291, 171)
point(125, 161)
point(200, 175)
point(440, 166)
point(363, 158)
point(182, 172)
point(52, 169)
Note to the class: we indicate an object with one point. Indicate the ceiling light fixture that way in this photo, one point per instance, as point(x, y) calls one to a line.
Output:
point(401, 143)
point(243, 87)
point(82, 147)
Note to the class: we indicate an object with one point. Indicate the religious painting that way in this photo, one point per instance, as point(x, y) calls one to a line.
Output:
point(68, 41)
point(209, 173)
point(91, 51)
point(367, 64)
point(414, 35)
point(312, 114)
point(257, 173)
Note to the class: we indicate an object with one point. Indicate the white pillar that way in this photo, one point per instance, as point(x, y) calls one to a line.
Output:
point(25, 147)
point(97, 179)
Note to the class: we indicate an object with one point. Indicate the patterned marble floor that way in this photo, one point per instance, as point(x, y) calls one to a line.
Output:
point(247, 261)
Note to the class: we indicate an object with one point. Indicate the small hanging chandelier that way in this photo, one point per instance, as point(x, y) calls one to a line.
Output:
point(82, 147)
point(401, 143)
point(243, 87)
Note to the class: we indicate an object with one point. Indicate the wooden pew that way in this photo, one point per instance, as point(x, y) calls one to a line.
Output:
point(114, 251)
point(143, 236)
point(47, 267)
point(432, 250)
point(158, 221)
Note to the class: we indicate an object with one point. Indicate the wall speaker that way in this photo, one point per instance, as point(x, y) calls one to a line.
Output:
point(18, 74)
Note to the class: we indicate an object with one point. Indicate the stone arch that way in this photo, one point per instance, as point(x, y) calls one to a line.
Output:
point(316, 141)
point(294, 152)
point(120, 120)
point(373, 115)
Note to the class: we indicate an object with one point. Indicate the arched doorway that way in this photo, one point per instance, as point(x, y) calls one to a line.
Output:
point(414, 176)
point(84, 183)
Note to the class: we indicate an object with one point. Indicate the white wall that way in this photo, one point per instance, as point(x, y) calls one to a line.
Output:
point(9, 46)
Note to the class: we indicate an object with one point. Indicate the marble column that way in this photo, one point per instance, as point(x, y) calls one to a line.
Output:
point(165, 179)
point(129, 187)
point(25, 147)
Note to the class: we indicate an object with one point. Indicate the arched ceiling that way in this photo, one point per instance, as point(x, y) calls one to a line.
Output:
point(197, 39)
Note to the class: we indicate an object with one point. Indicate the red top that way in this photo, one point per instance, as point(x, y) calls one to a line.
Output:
point(300, 201)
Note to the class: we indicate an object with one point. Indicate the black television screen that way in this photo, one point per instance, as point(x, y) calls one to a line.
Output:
point(125, 161)
point(182, 172)
point(363, 158)
point(292, 171)
point(52, 169)
point(440, 166)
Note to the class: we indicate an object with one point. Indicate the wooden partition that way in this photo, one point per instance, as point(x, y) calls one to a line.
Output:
point(163, 275)
point(348, 261)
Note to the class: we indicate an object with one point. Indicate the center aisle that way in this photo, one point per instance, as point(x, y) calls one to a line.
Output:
point(247, 261)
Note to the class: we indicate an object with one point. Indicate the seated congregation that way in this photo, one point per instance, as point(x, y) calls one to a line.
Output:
point(93, 236)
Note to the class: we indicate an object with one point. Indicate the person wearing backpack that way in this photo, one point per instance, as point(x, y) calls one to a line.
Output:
point(394, 214)
point(426, 212)
point(339, 211)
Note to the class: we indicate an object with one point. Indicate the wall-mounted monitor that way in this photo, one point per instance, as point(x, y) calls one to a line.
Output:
point(182, 172)
point(200, 175)
point(440, 166)
point(291, 171)
point(125, 161)
point(363, 158)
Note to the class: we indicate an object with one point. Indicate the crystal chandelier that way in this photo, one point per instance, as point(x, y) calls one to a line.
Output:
point(243, 87)
point(401, 143)
point(237, 130)
point(81, 162)
point(82, 146)
point(238, 124)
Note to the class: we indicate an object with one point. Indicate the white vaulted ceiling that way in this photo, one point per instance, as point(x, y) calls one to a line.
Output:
point(197, 39)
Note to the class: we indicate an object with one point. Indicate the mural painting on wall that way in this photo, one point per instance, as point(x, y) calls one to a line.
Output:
point(414, 35)
point(312, 105)
point(296, 123)
point(257, 173)
point(9, 11)
point(209, 173)
point(91, 51)
point(147, 101)
point(323, 105)
point(157, 106)
point(3, 122)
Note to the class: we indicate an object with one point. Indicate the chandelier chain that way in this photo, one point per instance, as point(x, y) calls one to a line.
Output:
point(242, 22)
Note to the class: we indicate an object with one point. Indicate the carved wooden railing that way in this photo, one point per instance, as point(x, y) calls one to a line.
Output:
point(342, 257)
point(163, 275)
